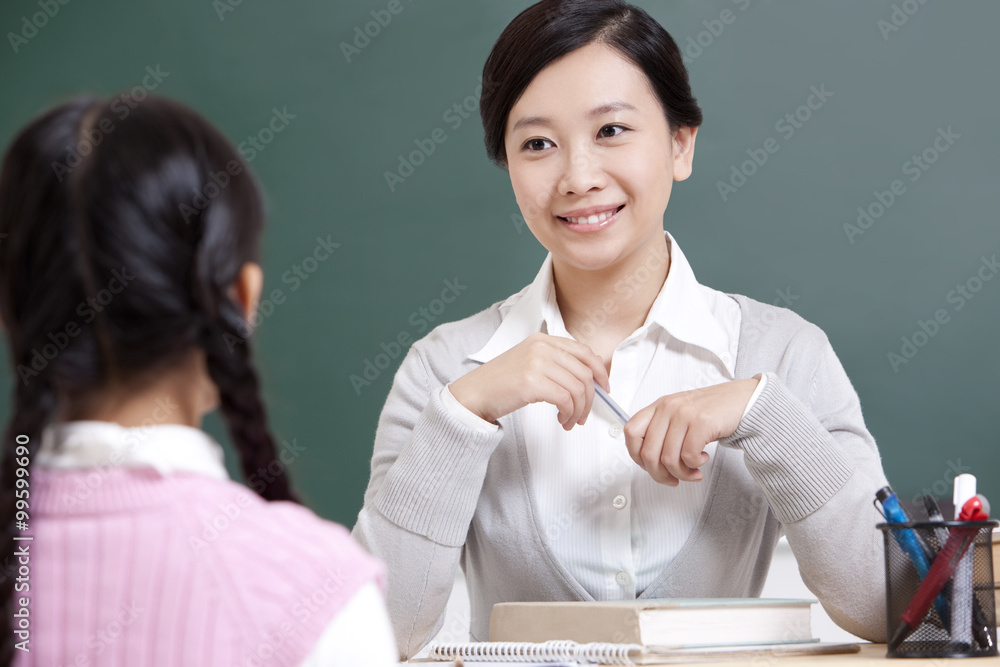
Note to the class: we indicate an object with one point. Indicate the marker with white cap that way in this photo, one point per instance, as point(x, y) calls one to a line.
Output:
point(961, 588)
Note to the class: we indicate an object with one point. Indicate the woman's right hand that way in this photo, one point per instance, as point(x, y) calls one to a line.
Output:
point(541, 368)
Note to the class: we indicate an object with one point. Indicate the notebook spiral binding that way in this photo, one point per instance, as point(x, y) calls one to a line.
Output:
point(552, 651)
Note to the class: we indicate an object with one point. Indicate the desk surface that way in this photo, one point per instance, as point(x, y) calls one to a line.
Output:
point(870, 654)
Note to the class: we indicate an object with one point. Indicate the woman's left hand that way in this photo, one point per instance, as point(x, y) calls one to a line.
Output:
point(667, 438)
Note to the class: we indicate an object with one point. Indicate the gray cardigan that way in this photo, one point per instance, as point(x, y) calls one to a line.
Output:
point(801, 463)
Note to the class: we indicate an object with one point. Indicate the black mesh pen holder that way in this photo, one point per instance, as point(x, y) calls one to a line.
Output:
point(960, 620)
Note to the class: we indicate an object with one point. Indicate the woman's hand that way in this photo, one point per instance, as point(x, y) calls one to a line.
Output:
point(667, 438)
point(541, 368)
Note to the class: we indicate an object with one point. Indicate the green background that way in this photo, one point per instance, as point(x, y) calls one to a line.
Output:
point(455, 216)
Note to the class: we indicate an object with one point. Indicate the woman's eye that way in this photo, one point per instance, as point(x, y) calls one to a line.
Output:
point(537, 144)
point(612, 131)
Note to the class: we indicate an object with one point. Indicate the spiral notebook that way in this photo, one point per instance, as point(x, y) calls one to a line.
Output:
point(566, 653)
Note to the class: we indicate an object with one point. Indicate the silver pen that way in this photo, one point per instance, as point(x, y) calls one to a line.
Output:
point(621, 414)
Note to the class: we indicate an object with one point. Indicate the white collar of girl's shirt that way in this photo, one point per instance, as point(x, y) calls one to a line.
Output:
point(169, 448)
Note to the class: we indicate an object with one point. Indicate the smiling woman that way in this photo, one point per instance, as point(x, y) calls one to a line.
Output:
point(491, 451)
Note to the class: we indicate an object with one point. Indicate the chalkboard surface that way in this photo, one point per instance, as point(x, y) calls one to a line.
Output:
point(847, 169)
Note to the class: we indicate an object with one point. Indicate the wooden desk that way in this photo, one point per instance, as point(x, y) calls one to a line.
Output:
point(871, 654)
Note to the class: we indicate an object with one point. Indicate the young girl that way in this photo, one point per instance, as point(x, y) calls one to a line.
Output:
point(127, 277)
point(491, 451)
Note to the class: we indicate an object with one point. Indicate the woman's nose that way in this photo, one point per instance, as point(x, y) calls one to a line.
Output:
point(582, 173)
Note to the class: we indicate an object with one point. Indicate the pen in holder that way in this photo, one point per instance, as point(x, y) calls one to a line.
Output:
point(915, 625)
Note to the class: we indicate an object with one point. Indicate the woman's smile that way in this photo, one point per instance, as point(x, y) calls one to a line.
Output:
point(592, 219)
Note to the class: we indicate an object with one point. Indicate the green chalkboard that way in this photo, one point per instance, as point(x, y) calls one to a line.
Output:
point(900, 91)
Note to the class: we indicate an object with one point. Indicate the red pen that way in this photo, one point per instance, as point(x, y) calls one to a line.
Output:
point(959, 541)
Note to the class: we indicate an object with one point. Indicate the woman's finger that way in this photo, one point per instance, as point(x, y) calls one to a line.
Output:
point(572, 401)
point(635, 431)
point(585, 375)
point(652, 447)
point(693, 454)
point(670, 456)
point(589, 357)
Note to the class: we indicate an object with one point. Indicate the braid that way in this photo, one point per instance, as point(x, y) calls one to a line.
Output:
point(34, 403)
point(129, 205)
point(233, 372)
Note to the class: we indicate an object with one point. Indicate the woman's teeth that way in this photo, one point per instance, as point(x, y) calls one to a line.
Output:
point(592, 220)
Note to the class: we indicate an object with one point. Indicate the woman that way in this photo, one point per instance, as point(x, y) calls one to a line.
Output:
point(491, 451)
point(137, 289)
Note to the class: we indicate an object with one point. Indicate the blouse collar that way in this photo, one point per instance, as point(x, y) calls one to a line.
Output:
point(682, 308)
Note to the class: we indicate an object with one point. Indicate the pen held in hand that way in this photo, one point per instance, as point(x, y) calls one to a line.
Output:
point(623, 416)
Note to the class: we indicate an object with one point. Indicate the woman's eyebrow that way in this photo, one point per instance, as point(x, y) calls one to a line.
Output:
point(609, 107)
point(529, 121)
point(542, 121)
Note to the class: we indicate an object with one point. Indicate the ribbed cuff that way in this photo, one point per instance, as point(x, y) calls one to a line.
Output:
point(433, 487)
point(795, 460)
point(463, 414)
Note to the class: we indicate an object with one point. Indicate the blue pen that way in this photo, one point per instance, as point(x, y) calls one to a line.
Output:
point(615, 408)
point(911, 544)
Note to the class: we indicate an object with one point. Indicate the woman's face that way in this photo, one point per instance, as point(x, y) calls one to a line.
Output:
point(592, 160)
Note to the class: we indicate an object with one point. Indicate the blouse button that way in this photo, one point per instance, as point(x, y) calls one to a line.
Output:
point(615, 431)
point(623, 578)
point(619, 502)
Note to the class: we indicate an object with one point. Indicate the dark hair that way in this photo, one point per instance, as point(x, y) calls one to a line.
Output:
point(553, 28)
point(150, 190)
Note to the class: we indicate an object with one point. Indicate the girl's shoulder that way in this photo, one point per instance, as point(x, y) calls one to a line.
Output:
point(288, 569)
point(239, 522)
point(275, 568)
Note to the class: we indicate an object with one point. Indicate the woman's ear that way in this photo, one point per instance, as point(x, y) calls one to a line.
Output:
point(683, 152)
point(247, 287)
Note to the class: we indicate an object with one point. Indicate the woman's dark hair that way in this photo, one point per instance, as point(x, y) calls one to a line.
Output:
point(148, 194)
point(553, 28)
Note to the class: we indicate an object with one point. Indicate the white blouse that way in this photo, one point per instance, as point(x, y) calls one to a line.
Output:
point(607, 521)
